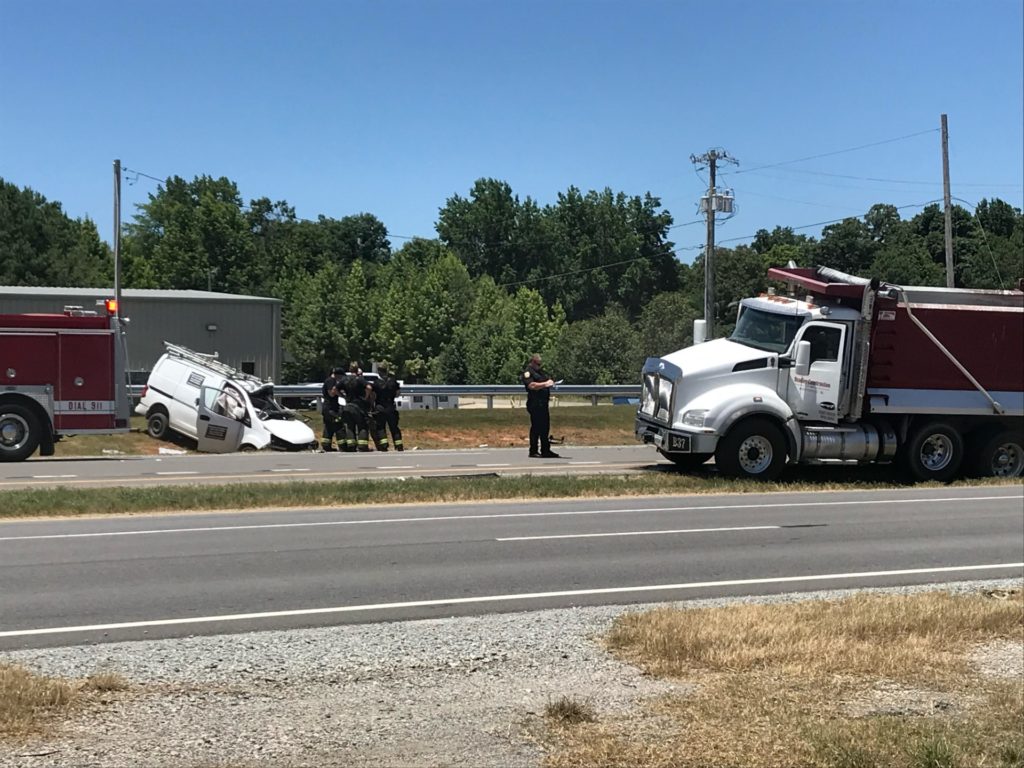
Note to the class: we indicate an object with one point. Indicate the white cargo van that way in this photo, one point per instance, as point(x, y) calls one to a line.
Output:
point(222, 409)
point(426, 402)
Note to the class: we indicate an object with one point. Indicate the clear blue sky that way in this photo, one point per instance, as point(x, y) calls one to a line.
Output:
point(392, 107)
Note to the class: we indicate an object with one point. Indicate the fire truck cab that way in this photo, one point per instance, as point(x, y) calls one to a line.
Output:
point(60, 375)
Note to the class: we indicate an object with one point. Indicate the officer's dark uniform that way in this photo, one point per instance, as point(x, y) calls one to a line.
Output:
point(355, 413)
point(385, 412)
point(537, 405)
point(331, 410)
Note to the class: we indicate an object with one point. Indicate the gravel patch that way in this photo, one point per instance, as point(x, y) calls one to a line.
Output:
point(1002, 658)
point(443, 692)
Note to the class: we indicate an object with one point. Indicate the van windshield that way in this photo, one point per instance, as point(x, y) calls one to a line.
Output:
point(768, 331)
point(267, 407)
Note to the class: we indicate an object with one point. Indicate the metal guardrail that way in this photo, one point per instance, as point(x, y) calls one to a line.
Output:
point(490, 391)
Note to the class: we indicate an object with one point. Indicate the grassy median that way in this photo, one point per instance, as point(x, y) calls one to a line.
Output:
point(455, 428)
point(873, 680)
point(59, 501)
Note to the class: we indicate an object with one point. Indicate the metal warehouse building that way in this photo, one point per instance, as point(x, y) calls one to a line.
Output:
point(243, 331)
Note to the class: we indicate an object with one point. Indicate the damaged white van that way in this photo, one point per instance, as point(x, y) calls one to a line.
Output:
point(222, 409)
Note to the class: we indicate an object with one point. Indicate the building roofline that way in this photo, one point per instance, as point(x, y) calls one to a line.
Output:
point(157, 294)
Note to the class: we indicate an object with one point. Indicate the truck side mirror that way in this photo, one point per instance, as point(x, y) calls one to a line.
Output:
point(700, 331)
point(803, 358)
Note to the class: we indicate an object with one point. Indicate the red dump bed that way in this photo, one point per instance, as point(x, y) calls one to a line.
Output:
point(987, 340)
point(984, 330)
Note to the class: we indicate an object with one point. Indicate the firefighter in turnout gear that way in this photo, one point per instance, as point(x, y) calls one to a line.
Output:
point(385, 410)
point(334, 427)
point(356, 412)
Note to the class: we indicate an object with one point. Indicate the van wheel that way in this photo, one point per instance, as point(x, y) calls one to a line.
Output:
point(19, 432)
point(753, 449)
point(1000, 455)
point(934, 452)
point(157, 424)
point(247, 448)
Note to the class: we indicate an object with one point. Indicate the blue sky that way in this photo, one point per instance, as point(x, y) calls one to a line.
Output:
point(391, 107)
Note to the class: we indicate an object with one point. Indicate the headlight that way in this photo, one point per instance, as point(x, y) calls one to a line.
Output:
point(695, 418)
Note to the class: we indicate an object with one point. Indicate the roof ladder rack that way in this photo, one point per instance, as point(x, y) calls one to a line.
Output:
point(209, 361)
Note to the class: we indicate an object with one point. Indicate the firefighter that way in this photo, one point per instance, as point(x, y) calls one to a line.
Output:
point(356, 411)
point(538, 389)
point(334, 428)
point(385, 411)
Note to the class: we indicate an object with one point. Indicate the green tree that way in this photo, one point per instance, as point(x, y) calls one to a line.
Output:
point(904, 260)
point(998, 259)
point(40, 245)
point(666, 323)
point(782, 245)
point(192, 235)
point(311, 337)
point(601, 350)
point(847, 246)
point(614, 251)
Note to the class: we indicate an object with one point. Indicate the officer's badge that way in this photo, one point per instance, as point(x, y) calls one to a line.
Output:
point(526, 374)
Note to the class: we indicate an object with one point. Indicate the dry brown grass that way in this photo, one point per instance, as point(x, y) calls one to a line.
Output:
point(104, 682)
point(879, 681)
point(28, 700)
point(29, 703)
point(567, 710)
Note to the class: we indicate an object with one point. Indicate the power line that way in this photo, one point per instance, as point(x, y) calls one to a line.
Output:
point(881, 180)
point(836, 221)
point(984, 239)
point(838, 151)
point(131, 171)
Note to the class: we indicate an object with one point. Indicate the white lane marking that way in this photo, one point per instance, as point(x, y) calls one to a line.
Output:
point(641, 533)
point(398, 466)
point(180, 472)
point(296, 469)
point(51, 477)
point(494, 516)
point(579, 463)
point(505, 598)
point(494, 465)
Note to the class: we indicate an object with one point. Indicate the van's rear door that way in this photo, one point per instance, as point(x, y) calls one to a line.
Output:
point(216, 432)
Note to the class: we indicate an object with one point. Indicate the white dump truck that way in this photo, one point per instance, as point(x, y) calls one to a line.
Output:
point(834, 367)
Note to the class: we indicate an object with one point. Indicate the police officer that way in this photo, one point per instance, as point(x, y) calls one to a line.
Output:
point(538, 389)
point(356, 411)
point(331, 410)
point(385, 412)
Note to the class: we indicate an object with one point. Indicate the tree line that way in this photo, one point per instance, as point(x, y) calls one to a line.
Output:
point(591, 281)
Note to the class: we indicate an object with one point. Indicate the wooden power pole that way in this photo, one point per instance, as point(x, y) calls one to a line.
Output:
point(709, 204)
point(947, 201)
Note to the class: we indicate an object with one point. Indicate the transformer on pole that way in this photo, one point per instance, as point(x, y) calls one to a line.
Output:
point(713, 202)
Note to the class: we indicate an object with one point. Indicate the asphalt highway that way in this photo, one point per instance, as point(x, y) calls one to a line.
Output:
point(144, 471)
point(77, 581)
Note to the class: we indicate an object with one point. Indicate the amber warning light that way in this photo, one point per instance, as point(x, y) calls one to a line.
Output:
point(111, 305)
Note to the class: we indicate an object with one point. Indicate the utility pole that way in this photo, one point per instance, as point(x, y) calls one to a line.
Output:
point(709, 204)
point(947, 201)
point(117, 238)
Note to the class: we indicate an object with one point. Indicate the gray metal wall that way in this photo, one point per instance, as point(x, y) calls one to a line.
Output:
point(247, 329)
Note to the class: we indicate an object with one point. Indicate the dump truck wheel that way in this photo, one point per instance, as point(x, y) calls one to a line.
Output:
point(754, 449)
point(1000, 455)
point(19, 432)
point(934, 451)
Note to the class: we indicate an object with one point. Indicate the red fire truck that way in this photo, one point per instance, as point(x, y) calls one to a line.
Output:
point(61, 375)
